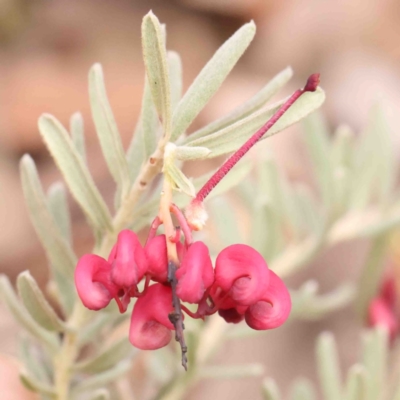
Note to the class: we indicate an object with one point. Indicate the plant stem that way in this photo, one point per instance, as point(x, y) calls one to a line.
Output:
point(69, 351)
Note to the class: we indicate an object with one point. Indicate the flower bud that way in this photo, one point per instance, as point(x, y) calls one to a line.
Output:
point(196, 215)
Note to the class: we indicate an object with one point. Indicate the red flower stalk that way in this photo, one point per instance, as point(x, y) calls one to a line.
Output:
point(195, 212)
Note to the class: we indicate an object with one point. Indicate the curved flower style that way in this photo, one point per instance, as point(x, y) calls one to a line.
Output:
point(241, 272)
point(196, 274)
point(150, 327)
point(273, 309)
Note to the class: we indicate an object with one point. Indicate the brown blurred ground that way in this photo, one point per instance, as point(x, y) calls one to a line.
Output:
point(46, 49)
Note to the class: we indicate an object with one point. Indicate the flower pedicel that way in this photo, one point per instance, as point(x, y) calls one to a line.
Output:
point(240, 287)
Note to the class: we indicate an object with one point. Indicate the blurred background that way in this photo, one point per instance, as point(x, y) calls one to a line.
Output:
point(47, 48)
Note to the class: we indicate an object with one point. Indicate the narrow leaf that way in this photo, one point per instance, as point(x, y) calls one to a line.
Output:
point(303, 389)
point(118, 351)
point(357, 383)
point(270, 390)
point(186, 153)
point(249, 107)
point(149, 122)
point(75, 172)
point(37, 363)
point(36, 304)
point(34, 385)
point(178, 179)
point(371, 274)
point(175, 77)
point(101, 394)
point(101, 379)
point(57, 249)
point(58, 206)
point(106, 128)
point(22, 316)
point(375, 360)
point(230, 138)
point(328, 367)
point(155, 60)
point(210, 79)
point(77, 134)
point(318, 146)
point(232, 371)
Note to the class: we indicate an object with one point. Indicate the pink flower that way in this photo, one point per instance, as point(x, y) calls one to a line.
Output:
point(381, 314)
point(382, 308)
point(241, 272)
point(128, 260)
point(196, 273)
point(93, 282)
point(150, 327)
point(273, 309)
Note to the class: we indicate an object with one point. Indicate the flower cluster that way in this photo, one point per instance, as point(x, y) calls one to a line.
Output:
point(240, 287)
point(383, 308)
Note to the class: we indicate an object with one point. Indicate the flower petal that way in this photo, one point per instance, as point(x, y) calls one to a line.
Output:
point(150, 327)
point(380, 314)
point(92, 281)
point(129, 263)
point(196, 273)
point(242, 271)
point(273, 309)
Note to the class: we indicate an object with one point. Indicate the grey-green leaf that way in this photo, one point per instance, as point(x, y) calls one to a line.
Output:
point(252, 105)
point(58, 206)
point(57, 249)
point(155, 60)
point(233, 136)
point(270, 390)
point(375, 360)
point(149, 121)
point(77, 133)
point(318, 146)
point(357, 386)
point(75, 172)
point(118, 351)
point(36, 304)
point(106, 128)
point(21, 315)
point(186, 153)
point(101, 379)
point(175, 77)
point(34, 385)
point(303, 389)
point(328, 367)
point(210, 79)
